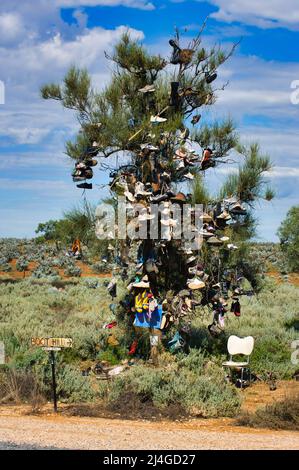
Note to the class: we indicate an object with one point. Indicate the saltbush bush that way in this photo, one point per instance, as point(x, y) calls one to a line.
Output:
point(195, 386)
point(72, 270)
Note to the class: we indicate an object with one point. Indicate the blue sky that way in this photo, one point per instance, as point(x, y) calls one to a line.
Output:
point(41, 39)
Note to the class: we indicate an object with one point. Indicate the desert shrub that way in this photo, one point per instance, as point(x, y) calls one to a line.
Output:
point(196, 386)
point(269, 256)
point(22, 264)
point(18, 386)
point(59, 262)
point(32, 308)
point(73, 387)
point(112, 355)
point(72, 270)
point(272, 354)
point(91, 283)
point(5, 267)
point(100, 268)
point(44, 271)
point(280, 415)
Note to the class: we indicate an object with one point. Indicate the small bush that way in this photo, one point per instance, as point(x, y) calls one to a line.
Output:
point(91, 283)
point(73, 387)
point(197, 387)
point(280, 415)
point(44, 271)
point(72, 270)
point(6, 268)
point(17, 386)
point(100, 268)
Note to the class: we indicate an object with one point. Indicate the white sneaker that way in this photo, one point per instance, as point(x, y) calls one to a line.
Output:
point(148, 147)
point(230, 246)
point(189, 176)
point(157, 119)
point(224, 239)
point(147, 89)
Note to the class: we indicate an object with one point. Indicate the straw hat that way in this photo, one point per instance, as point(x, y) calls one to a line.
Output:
point(206, 217)
point(214, 241)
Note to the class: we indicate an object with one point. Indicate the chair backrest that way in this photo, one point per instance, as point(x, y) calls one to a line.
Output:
point(236, 345)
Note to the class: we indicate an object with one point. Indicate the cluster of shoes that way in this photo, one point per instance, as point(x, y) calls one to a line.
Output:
point(83, 167)
point(183, 57)
point(220, 308)
point(164, 158)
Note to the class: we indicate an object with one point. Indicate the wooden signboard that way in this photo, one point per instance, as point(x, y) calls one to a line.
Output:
point(52, 342)
point(51, 345)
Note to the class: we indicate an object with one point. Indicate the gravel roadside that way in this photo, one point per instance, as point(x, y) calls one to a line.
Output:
point(30, 432)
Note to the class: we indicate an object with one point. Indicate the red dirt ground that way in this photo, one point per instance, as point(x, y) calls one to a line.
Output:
point(87, 272)
point(14, 274)
point(293, 278)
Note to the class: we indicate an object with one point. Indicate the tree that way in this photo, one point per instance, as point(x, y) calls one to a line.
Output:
point(47, 229)
point(289, 238)
point(150, 111)
point(77, 223)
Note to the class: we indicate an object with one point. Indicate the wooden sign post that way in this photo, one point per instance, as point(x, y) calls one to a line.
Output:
point(51, 345)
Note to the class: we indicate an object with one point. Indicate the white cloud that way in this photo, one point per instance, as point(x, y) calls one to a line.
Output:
point(261, 13)
point(258, 87)
point(284, 172)
point(141, 4)
point(47, 58)
point(11, 27)
point(25, 117)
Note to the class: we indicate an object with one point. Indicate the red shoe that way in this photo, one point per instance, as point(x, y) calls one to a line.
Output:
point(133, 347)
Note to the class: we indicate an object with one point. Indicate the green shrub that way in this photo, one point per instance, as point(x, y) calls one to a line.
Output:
point(195, 386)
point(22, 265)
point(72, 270)
point(5, 267)
point(45, 271)
point(100, 268)
point(73, 387)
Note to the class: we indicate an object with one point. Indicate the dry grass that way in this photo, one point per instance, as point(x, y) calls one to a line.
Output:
point(282, 415)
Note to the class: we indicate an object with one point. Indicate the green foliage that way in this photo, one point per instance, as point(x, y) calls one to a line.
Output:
point(195, 386)
point(29, 309)
point(269, 256)
point(289, 238)
point(73, 387)
point(5, 267)
point(75, 93)
point(249, 183)
point(100, 268)
point(48, 229)
point(77, 223)
point(72, 270)
point(110, 117)
point(200, 193)
point(22, 265)
point(220, 137)
point(45, 271)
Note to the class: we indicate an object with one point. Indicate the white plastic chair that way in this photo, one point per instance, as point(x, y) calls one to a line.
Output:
point(236, 346)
